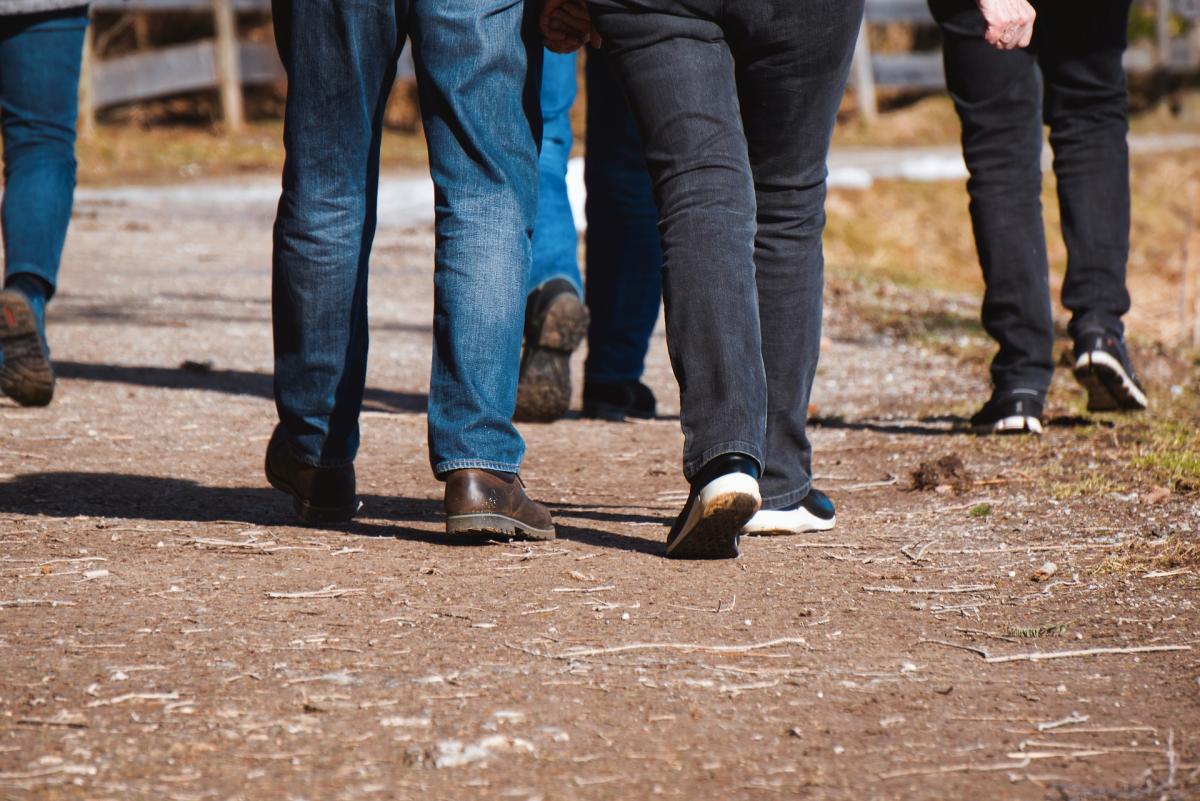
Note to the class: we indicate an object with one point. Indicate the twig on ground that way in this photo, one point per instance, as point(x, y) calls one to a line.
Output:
point(120, 699)
point(332, 591)
point(601, 588)
point(963, 768)
point(887, 482)
point(959, 646)
point(679, 646)
point(1171, 766)
point(933, 590)
point(1067, 721)
point(1038, 656)
point(34, 602)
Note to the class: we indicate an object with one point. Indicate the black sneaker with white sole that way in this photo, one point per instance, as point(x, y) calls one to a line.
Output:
point(555, 323)
point(724, 497)
point(815, 512)
point(1102, 366)
point(1011, 411)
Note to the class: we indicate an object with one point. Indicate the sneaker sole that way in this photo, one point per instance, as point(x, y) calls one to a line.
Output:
point(544, 386)
point(715, 523)
point(1109, 387)
point(771, 523)
point(25, 375)
point(491, 525)
point(306, 511)
point(1016, 424)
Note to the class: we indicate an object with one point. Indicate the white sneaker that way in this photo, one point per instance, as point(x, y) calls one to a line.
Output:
point(712, 519)
point(814, 513)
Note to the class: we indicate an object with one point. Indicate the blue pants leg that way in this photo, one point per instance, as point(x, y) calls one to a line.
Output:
point(40, 57)
point(555, 242)
point(624, 254)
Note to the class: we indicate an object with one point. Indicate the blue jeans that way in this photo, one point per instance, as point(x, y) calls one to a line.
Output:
point(624, 258)
point(39, 86)
point(624, 252)
point(478, 65)
point(555, 244)
point(735, 105)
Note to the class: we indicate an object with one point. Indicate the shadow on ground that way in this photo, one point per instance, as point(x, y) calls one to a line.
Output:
point(138, 497)
point(230, 382)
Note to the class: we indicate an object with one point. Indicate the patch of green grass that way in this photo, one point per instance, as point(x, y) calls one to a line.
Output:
point(981, 510)
point(1092, 485)
point(1169, 446)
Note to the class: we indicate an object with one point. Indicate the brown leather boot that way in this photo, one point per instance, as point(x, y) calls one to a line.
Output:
point(481, 502)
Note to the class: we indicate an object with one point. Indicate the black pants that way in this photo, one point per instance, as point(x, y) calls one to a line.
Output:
point(1071, 79)
point(735, 104)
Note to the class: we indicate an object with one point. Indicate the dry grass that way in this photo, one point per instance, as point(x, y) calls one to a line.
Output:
point(1144, 556)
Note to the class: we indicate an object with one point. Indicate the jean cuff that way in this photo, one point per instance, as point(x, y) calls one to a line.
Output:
point(692, 466)
point(442, 468)
point(49, 276)
point(787, 499)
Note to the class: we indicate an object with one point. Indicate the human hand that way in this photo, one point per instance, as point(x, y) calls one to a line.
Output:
point(1009, 23)
point(566, 26)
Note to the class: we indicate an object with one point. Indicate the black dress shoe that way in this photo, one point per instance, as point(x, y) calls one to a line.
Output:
point(618, 401)
point(320, 495)
point(723, 499)
point(555, 323)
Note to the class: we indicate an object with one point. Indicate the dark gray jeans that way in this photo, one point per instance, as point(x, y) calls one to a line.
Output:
point(735, 105)
point(1071, 79)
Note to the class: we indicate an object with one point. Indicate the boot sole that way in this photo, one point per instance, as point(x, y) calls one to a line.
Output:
point(1008, 426)
point(25, 375)
point(771, 523)
point(492, 525)
point(544, 386)
point(714, 526)
point(1109, 387)
point(306, 511)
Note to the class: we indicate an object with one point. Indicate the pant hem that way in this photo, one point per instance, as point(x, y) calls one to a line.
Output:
point(692, 466)
point(788, 499)
point(440, 469)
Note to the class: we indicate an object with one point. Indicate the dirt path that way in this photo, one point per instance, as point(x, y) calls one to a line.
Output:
point(167, 633)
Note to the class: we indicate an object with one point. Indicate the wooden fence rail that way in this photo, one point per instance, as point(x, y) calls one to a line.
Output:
point(227, 64)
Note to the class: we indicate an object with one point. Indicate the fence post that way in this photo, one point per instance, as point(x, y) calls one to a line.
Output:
point(864, 76)
point(229, 74)
point(87, 94)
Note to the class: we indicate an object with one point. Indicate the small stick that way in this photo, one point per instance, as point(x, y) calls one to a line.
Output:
point(120, 699)
point(34, 602)
point(964, 768)
point(682, 646)
point(889, 481)
point(1067, 721)
point(1170, 758)
point(601, 588)
point(331, 591)
point(971, 648)
point(1038, 656)
point(933, 590)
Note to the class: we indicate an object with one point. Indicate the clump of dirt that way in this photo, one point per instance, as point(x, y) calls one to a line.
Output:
point(945, 474)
